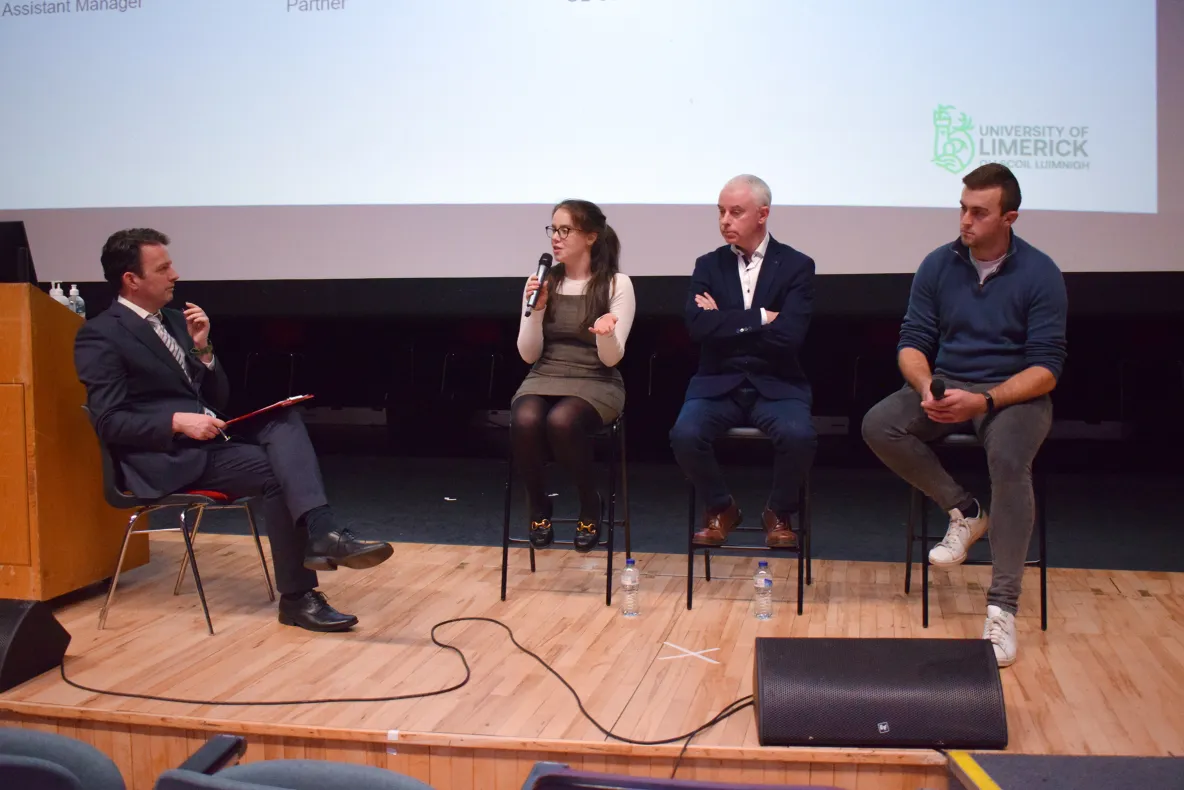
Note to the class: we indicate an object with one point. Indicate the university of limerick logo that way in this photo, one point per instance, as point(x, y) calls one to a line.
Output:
point(953, 147)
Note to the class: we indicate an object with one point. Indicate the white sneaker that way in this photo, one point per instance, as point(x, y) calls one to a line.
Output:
point(1000, 629)
point(961, 535)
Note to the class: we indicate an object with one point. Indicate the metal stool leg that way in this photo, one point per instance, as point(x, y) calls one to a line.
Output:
point(506, 520)
point(612, 516)
point(201, 593)
point(803, 553)
point(259, 549)
point(912, 538)
point(127, 536)
point(808, 530)
point(924, 560)
point(625, 493)
point(1042, 528)
point(691, 546)
point(185, 557)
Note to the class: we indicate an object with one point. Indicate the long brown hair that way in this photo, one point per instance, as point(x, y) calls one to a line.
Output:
point(606, 256)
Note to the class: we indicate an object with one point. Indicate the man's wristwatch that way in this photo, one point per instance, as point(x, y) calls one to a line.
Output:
point(201, 352)
point(990, 403)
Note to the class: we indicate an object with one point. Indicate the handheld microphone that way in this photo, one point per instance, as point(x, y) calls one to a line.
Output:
point(544, 267)
point(937, 388)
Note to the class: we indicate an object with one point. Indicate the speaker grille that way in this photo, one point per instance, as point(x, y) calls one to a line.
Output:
point(925, 693)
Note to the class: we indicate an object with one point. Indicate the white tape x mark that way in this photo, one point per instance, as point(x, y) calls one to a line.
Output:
point(690, 653)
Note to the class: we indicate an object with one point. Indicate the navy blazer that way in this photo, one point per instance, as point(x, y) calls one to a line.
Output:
point(133, 388)
point(735, 347)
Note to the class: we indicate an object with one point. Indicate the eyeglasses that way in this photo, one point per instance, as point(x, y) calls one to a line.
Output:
point(562, 231)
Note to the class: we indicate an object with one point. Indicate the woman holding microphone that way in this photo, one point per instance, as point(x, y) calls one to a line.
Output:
point(573, 340)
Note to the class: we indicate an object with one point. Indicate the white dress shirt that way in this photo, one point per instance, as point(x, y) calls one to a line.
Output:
point(750, 272)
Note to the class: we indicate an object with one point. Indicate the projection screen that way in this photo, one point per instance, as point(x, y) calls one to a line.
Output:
point(301, 139)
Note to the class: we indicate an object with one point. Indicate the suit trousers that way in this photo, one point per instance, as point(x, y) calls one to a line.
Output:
point(786, 422)
point(271, 456)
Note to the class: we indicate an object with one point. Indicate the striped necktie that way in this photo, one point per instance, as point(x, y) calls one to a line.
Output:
point(170, 343)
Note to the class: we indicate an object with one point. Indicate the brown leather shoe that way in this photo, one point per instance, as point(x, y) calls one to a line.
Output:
point(716, 526)
point(778, 531)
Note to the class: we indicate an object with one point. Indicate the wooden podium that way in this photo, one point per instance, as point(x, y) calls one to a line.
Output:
point(57, 534)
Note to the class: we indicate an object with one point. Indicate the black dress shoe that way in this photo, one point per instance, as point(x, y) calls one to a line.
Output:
point(313, 612)
point(541, 533)
point(339, 547)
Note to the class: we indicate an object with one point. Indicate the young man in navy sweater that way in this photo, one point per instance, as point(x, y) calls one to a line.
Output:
point(989, 311)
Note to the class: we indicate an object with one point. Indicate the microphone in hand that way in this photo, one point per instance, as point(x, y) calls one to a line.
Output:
point(541, 274)
point(937, 388)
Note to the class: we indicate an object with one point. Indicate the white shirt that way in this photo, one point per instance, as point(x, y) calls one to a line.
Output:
point(987, 268)
point(750, 272)
point(142, 313)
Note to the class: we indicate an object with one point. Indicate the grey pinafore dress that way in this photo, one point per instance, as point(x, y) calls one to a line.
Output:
point(569, 364)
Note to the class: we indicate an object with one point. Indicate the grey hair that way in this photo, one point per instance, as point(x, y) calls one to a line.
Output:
point(759, 189)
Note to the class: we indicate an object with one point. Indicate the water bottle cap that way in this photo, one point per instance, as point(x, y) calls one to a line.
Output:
point(763, 564)
point(629, 561)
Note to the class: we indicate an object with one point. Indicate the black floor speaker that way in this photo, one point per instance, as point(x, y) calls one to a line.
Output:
point(879, 693)
point(32, 641)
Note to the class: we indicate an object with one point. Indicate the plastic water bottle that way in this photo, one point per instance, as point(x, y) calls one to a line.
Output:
point(630, 580)
point(75, 302)
point(762, 585)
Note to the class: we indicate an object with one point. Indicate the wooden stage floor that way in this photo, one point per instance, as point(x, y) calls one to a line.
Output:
point(1107, 677)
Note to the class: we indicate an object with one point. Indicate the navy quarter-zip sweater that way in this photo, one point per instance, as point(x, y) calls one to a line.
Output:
point(987, 333)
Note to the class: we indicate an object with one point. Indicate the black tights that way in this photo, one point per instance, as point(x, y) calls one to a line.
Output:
point(567, 425)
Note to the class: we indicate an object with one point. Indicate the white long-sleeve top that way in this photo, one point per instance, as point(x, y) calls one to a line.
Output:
point(610, 348)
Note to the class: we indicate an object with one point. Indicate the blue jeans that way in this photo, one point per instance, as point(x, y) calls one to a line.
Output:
point(786, 422)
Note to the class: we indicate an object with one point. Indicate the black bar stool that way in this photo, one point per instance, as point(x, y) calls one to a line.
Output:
point(918, 502)
point(614, 435)
point(802, 549)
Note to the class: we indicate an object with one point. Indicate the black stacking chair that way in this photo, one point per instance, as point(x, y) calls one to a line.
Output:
point(196, 502)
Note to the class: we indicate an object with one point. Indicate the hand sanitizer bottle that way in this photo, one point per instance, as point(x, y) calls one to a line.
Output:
point(57, 294)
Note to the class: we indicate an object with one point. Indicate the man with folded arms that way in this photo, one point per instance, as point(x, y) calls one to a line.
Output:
point(749, 308)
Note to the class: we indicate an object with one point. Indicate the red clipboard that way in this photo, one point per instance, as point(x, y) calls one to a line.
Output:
point(279, 404)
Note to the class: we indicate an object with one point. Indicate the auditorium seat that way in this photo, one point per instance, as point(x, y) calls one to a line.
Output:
point(290, 775)
point(48, 761)
point(553, 776)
